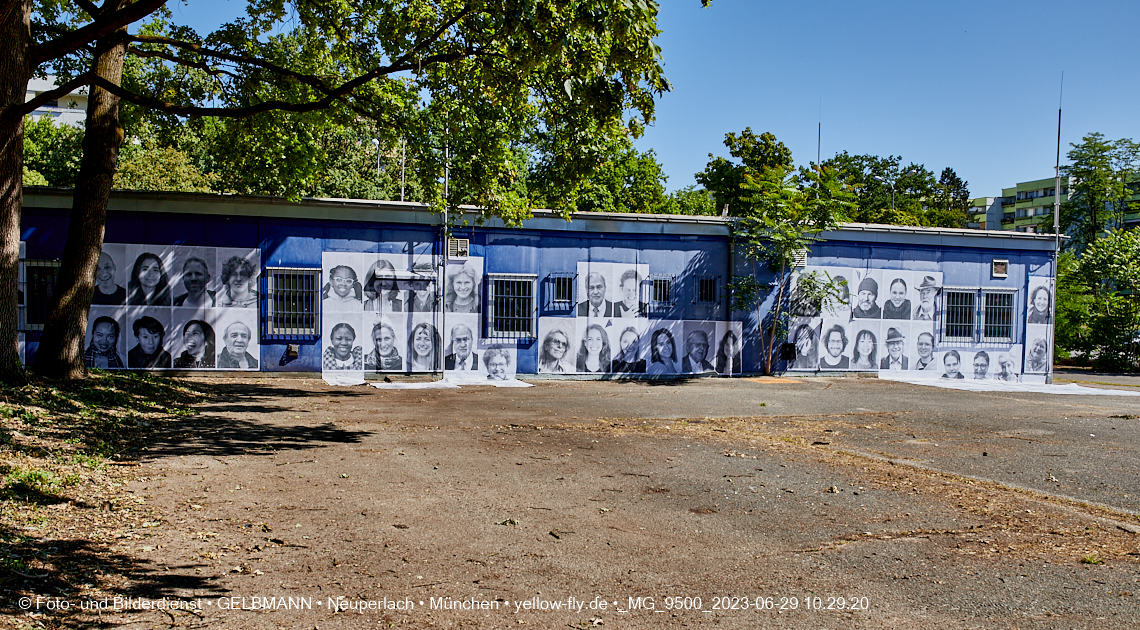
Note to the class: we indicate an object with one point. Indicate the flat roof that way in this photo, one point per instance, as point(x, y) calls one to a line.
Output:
point(329, 209)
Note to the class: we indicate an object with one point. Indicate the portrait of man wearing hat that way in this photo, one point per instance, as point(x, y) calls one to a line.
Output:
point(865, 300)
point(894, 359)
point(927, 290)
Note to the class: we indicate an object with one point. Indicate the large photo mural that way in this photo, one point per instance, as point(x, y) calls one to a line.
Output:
point(160, 307)
point(891, 321)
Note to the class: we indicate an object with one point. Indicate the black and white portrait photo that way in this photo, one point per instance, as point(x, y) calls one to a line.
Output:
point(422, 296)
point(343, 292)
point(981, 365)
point(664, 351)
point(866, 298)
point(804, 334)
point(194, 269)
point(463, 290)
point(922, 355)
point(343, 342)
point(629, 288)
point(1040, 308)
point(104, 340)
point(1038, 354)
point(597, 287)
point(461, 355)
point(698, 347)
point(557, 348)
point(593, 353)
point(952, 364)
point(382, 290)
point(110, 283)
point(148, 283)
point(193, 340)
point(928, 287)
point(626, 345)
point(728, 346)
point(1007, 364)
point(425, 347)
point(897, 305)
point(865, 346)
point(238, 273)
point(894, 345)
point(385, 343)
point(837, 305)
point(148, 329)
point(239, 347)
point(835, 346)
point(499, 362)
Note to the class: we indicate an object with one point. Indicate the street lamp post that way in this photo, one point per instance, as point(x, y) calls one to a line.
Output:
point(892, 180)
point(376, 143)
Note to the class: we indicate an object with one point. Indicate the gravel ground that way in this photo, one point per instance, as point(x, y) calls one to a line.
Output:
point(747, 503)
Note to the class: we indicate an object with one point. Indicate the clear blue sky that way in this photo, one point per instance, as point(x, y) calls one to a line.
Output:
point(968, 84)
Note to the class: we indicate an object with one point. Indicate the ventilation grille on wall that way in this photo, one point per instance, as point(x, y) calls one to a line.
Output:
point(458, 247)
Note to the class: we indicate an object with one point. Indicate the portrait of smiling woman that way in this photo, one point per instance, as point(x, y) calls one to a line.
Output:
point(148, 285)
point(341, 352)
point(462, 291)
point(424, 345)
point(552, 354)
point(197, 346)
point(594, 354)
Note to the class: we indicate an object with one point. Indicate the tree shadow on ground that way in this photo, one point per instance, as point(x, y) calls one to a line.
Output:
point(42, 569)
point(217, 433)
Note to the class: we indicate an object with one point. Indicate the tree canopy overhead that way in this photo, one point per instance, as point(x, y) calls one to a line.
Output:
point(461, 82)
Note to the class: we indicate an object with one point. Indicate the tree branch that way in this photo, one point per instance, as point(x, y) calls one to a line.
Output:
point(200, 65)
point(100, 27)
point(89, 7)
point(56, 94)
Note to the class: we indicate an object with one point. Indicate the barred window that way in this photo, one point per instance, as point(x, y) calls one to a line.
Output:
point(292, 299)
point(997, 316)
point(707, 289)
point(958, 316)
point(38, 290)
point(660, 292)
point(560, 290)
point(512, 312)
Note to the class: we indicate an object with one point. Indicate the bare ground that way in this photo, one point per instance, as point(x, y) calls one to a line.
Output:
point(750, 496)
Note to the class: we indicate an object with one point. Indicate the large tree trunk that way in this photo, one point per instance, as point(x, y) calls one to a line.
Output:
point(14, 72)
point(60, 354)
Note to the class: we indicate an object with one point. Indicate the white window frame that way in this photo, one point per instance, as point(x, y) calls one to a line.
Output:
point(511, 332)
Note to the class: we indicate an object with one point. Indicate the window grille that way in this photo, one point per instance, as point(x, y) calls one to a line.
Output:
point(959, 315)
point(512, 312)
point(292, 302)
point(560, 290)
point(997, 316)
point(661, 292)
point(38, 290)
point(707, 289)
point(458, 247)
point(800, 258)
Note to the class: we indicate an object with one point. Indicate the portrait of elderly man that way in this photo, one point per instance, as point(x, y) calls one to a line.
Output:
point(696, 349)
point(234, 355)
point(596, 304)
point(927, 290)
point(925, 345)
point(866, 299)
point(148, 352)
point(106, 291)
point(195, 275)
point(895, 359)
point(461, 357)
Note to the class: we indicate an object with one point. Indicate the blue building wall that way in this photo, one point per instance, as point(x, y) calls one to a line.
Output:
point(552, 247)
